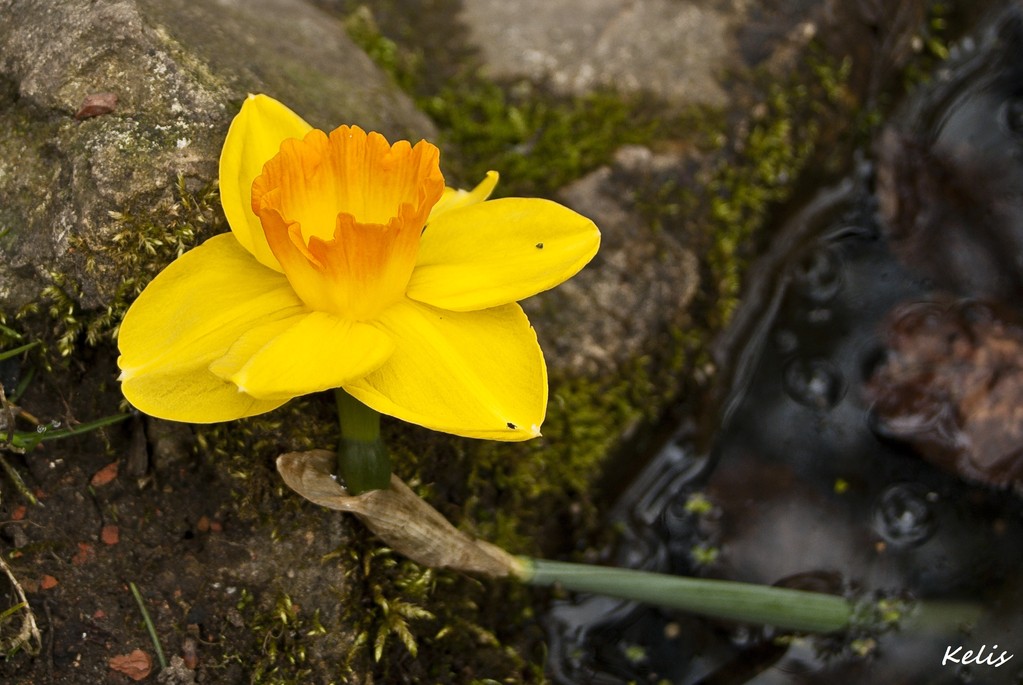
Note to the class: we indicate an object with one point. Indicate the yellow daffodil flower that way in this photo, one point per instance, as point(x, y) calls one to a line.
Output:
point(350, 265)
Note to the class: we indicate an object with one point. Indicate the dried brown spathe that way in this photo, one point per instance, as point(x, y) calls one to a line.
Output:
point(398, 516)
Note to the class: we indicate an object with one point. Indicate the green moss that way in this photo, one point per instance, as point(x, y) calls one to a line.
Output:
point(394, 606)
point(698, 504)
point(144, 243)
point(931, 44)
point(245, 452)
point(704, 555)
point(283, 634)
point(537, 141)
point(383, 602)
point(755, 172)
point(741, 194)
point(401, 65)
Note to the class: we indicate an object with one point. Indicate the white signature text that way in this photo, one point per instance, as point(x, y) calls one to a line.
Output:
point(978, 657)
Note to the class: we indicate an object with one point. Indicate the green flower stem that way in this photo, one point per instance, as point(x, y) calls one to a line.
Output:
point(363, 462)
point(748, 603)
point(811, 612)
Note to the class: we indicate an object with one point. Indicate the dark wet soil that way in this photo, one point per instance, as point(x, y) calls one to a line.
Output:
point(126, 505)
point(105, 520)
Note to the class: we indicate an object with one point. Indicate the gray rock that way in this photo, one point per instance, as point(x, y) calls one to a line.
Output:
point(688, 52)
point(179, 70)
point(674, 49)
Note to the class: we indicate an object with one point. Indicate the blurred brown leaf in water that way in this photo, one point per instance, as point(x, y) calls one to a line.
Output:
point(952, 386)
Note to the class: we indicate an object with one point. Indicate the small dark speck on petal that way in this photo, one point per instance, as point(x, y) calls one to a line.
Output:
point(511, 425)
point(539, 246)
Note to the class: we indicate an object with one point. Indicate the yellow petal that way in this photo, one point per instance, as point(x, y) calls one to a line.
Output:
point(500, 251)
point(193, 396)
point(307, 353)
point(453, 198)
point(188, 317)
point(249, 344)
point(476, 374)
point(255, 136)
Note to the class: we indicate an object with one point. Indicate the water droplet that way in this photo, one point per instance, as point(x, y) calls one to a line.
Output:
point(818, 275)
point(1012, 115)
point(785, 341)
point(818, 316)
point(904, 515)
point(815, 383)
point(677, 521)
